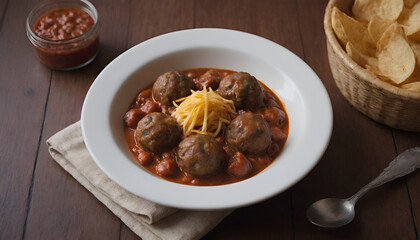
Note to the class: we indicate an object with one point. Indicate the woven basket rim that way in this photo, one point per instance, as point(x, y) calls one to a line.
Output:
point(365, 74)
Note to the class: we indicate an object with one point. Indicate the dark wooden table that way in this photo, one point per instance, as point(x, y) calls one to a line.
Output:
point(39, 200)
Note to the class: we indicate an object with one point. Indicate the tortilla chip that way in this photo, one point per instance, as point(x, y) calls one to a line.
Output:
point(377, 27)
point(361, 59)
point(410, 19)
point(349, 29)
point(396, 59)
point(364, 10)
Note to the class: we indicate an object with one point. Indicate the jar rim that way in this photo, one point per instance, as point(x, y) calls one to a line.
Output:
point(89, 6)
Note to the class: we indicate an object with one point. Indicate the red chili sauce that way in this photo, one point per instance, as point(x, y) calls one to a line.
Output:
point(65, 25)
point(236, 165)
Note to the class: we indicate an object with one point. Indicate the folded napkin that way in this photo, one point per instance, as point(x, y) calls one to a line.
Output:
point(147, 219)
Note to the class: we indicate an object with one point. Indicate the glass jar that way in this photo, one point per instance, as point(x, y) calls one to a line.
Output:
point(64, 48)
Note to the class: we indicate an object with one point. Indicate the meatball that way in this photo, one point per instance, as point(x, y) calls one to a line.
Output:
point(249, 133)
point(243, 89)
point(157, 132)
point(171, 86)
point(200, 155)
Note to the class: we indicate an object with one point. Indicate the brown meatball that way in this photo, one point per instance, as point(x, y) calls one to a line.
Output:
point(200, 155)
point(249, 133)
point(243, 89)
point(157, 132)
point(171, 86)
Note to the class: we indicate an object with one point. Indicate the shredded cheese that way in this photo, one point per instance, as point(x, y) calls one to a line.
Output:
point(203, 112)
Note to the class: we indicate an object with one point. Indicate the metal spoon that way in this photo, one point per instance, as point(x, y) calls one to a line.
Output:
point(333, 212)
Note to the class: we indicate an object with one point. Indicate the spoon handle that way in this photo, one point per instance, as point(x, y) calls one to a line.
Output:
point(403, 164)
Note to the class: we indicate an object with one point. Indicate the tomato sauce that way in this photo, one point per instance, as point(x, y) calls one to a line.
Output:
point(153, 162)
point(68, 38)
point(63, 23)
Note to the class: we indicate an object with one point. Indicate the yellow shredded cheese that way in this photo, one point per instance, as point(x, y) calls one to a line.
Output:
point(203, 112)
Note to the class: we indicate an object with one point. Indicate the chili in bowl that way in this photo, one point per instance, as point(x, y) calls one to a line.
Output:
point(65, 34)
point(233, 126)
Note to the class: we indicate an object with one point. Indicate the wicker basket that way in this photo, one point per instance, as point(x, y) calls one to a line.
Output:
point(381, 101)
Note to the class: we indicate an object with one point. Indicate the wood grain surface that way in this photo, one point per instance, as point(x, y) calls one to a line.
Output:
point(39, 200)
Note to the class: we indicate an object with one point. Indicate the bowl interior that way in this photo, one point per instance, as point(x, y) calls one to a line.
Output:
point(221, 58)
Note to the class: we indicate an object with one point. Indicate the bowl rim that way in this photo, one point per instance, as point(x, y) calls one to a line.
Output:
point(319, 108)
point(365, 75)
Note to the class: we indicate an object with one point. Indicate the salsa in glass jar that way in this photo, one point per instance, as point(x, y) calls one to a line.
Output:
point(65, 34)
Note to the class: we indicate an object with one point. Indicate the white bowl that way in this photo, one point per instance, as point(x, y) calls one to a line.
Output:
point(305, 98)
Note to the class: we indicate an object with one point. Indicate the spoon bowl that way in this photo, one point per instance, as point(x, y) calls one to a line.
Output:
point(331, 212)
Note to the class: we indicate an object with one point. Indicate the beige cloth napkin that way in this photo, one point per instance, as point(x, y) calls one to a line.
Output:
point(147, 219)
